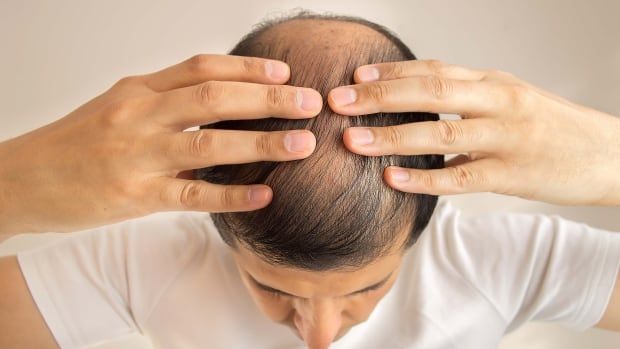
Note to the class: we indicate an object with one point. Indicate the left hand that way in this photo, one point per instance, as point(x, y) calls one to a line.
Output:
point(513, 138)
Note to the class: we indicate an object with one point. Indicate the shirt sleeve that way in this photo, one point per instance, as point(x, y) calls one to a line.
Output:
point(535, 267)
point(101, 284)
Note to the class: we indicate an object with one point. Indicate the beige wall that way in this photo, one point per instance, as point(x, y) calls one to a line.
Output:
point(58, 54)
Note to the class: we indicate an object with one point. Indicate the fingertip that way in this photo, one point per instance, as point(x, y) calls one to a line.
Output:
point(366, 73)
point(398, 174)
point(347, 139)
point(312, 143)
point(277, 71)
point(302, 143)
point(342, 96)
point(309, 100)
point(361, 140)
point(259, 196)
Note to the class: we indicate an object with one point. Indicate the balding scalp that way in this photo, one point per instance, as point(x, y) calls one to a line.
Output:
point(331, 210)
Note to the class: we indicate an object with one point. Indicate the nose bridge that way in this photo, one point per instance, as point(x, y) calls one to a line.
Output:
point(316, 310)
point(319, 321)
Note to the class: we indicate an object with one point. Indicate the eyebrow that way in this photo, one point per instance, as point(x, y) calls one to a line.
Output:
point(275, 290)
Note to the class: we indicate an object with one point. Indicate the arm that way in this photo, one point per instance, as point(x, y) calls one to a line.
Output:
point(611, 318)
point(21, 323)
point(124, 154)
point(514, 138)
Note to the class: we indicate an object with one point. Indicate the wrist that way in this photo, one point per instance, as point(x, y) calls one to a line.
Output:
point(613, 158)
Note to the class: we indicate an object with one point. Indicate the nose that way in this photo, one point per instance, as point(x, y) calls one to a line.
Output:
point(319, 323)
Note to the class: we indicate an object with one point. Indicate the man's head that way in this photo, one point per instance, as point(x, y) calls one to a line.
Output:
point(329, 245)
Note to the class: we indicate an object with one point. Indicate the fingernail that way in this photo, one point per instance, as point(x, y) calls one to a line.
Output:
point(368, 73)
point(308, 100)
point(297, 142)
point(276, 70)
point(399, 175)
point(343, 96)
point(258, 194)
point(361, 136)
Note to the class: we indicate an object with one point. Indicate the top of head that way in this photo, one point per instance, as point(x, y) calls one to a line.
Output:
point(331, 210)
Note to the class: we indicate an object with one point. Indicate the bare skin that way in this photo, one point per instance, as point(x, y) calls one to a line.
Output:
point(20, 320)
point(563, 153)
point(124, 155)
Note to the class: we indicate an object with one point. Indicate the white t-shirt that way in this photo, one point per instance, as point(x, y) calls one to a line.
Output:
point(464, 284)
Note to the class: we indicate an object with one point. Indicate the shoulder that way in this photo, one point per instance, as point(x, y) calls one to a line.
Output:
point(167, 230)
point(457, 232)
point(473, 246)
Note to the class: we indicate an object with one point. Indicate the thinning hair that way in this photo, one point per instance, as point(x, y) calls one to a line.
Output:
point(331, 210)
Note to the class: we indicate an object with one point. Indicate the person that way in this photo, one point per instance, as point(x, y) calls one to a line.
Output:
point(464, 283)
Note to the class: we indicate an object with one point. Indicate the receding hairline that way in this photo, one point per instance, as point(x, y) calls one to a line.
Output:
point(326, 30)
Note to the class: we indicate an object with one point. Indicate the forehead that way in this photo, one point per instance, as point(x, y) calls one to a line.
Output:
point(307, 282)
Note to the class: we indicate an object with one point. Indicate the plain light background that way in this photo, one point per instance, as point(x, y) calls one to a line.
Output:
point(58, 54)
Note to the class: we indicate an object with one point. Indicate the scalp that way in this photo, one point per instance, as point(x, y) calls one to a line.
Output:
point(332, 209)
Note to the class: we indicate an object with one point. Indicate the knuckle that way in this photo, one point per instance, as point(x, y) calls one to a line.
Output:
point(190, 195)
point(394, 135)
point(495, 73)
point(126, 189)
point(227, 198)
point(120, 111)
point(264, 145)
point(200, 144)
point(208, 94)
point(436, 67)
point(500, 75)
point(199, 63)
point(462, 177)
point(519, 97)
point(437, 86)
point(427, 180)
point(395, 70)
point(378, 92)
point(505, 74)
point(250, 66)
point(275, 97)
point(448, 132)
point(128, 81)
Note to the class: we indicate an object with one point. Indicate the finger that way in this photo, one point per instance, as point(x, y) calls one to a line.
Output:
point(204, 67)
point(196, 195)
point(429, 137)
point(214, 101)
point(399, 70)
point(205, 148)
point(423, 94)
point(476, 176)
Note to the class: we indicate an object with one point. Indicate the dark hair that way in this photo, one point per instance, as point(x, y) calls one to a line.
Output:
point(331, 210)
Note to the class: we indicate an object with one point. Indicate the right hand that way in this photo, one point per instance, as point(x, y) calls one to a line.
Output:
point(514, 138)
point(124, 155)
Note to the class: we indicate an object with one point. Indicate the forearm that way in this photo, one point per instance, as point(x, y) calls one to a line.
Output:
point(21, 323)
point(611, 318)
point(614, 157)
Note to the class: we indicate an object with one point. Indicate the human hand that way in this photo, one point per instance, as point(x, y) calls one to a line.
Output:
point(124, 155)
point(513, 138)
